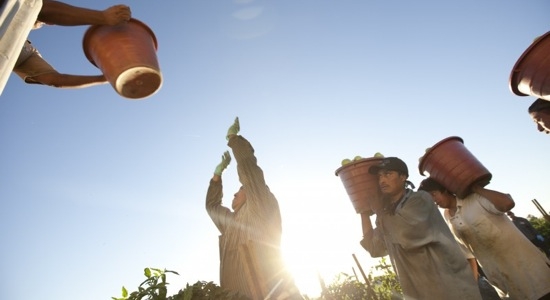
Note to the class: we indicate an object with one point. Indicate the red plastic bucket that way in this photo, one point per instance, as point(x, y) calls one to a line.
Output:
point(450, 163)
point(531, 73)
point(361, 187)
point(126, 54)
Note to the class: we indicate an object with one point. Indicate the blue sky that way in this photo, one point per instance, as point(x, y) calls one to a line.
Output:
point(96, 187)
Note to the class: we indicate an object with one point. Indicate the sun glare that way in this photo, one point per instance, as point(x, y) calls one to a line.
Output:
point(318, 250)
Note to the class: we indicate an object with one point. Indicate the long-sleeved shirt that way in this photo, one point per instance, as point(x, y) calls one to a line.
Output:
point(508, 259)
point(250, 258)
point(423, 251)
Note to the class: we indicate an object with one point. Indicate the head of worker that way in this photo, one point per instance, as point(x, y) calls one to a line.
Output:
point(441, 196)
point(239, 199)
point(540, 113)
point(392, 175)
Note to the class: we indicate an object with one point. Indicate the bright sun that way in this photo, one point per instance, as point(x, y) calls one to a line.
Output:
point(319, 244)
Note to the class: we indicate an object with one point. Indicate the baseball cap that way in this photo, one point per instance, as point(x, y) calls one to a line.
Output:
point(390, 164)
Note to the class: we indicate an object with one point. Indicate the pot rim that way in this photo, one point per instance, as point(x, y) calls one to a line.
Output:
point(513, 80)
point(422, 161)
point(353, 163)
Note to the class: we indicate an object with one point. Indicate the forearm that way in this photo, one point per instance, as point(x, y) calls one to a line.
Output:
point(473, 265)
point(216, 178)
point(214, 194)
point(371, 241)
point(241, 148)
point(59, 80)
point(366, 225)
point(502, 202)
point(80, 81)
point(59, 13)
point(249, 172)
point(219, 214)
point(374, 245)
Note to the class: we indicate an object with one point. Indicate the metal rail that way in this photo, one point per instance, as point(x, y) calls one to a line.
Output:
point(545, 215)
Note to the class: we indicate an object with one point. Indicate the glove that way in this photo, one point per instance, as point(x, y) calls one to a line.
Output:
point(226, 159)
point(234, 129)
point(540, 237)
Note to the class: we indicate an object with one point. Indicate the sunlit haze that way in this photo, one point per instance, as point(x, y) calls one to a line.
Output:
point(96, 187)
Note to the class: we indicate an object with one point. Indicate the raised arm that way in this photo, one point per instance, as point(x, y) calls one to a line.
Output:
point(259, 200)
point(372, 240)
point(68, 81)
point(220, 215)
point(251, 175)
point(59, 13)
point(502, 202)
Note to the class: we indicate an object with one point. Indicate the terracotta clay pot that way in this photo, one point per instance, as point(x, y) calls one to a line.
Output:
point(531, 74)
point(362, 187)
point(450, 163)
point(126, 54)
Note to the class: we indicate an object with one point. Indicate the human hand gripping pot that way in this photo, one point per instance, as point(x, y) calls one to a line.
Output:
point(34, 69)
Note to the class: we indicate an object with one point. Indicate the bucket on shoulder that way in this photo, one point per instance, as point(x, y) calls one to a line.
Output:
point(450, 163)
point(361, 186)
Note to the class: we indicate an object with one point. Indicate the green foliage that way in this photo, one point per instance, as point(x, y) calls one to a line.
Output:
point(203, 290)
point(152, 288)
point(381, 287)
point(387, 285)
point(541, 225)
point(384, 286)
point(155, 288)
point(346, 287)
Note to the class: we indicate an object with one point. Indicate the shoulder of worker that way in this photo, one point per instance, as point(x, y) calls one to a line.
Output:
point(418, 197)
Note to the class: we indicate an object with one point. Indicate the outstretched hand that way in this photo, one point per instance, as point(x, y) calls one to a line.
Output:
point(234, 129)
point(117, 14)
point(226, 159)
